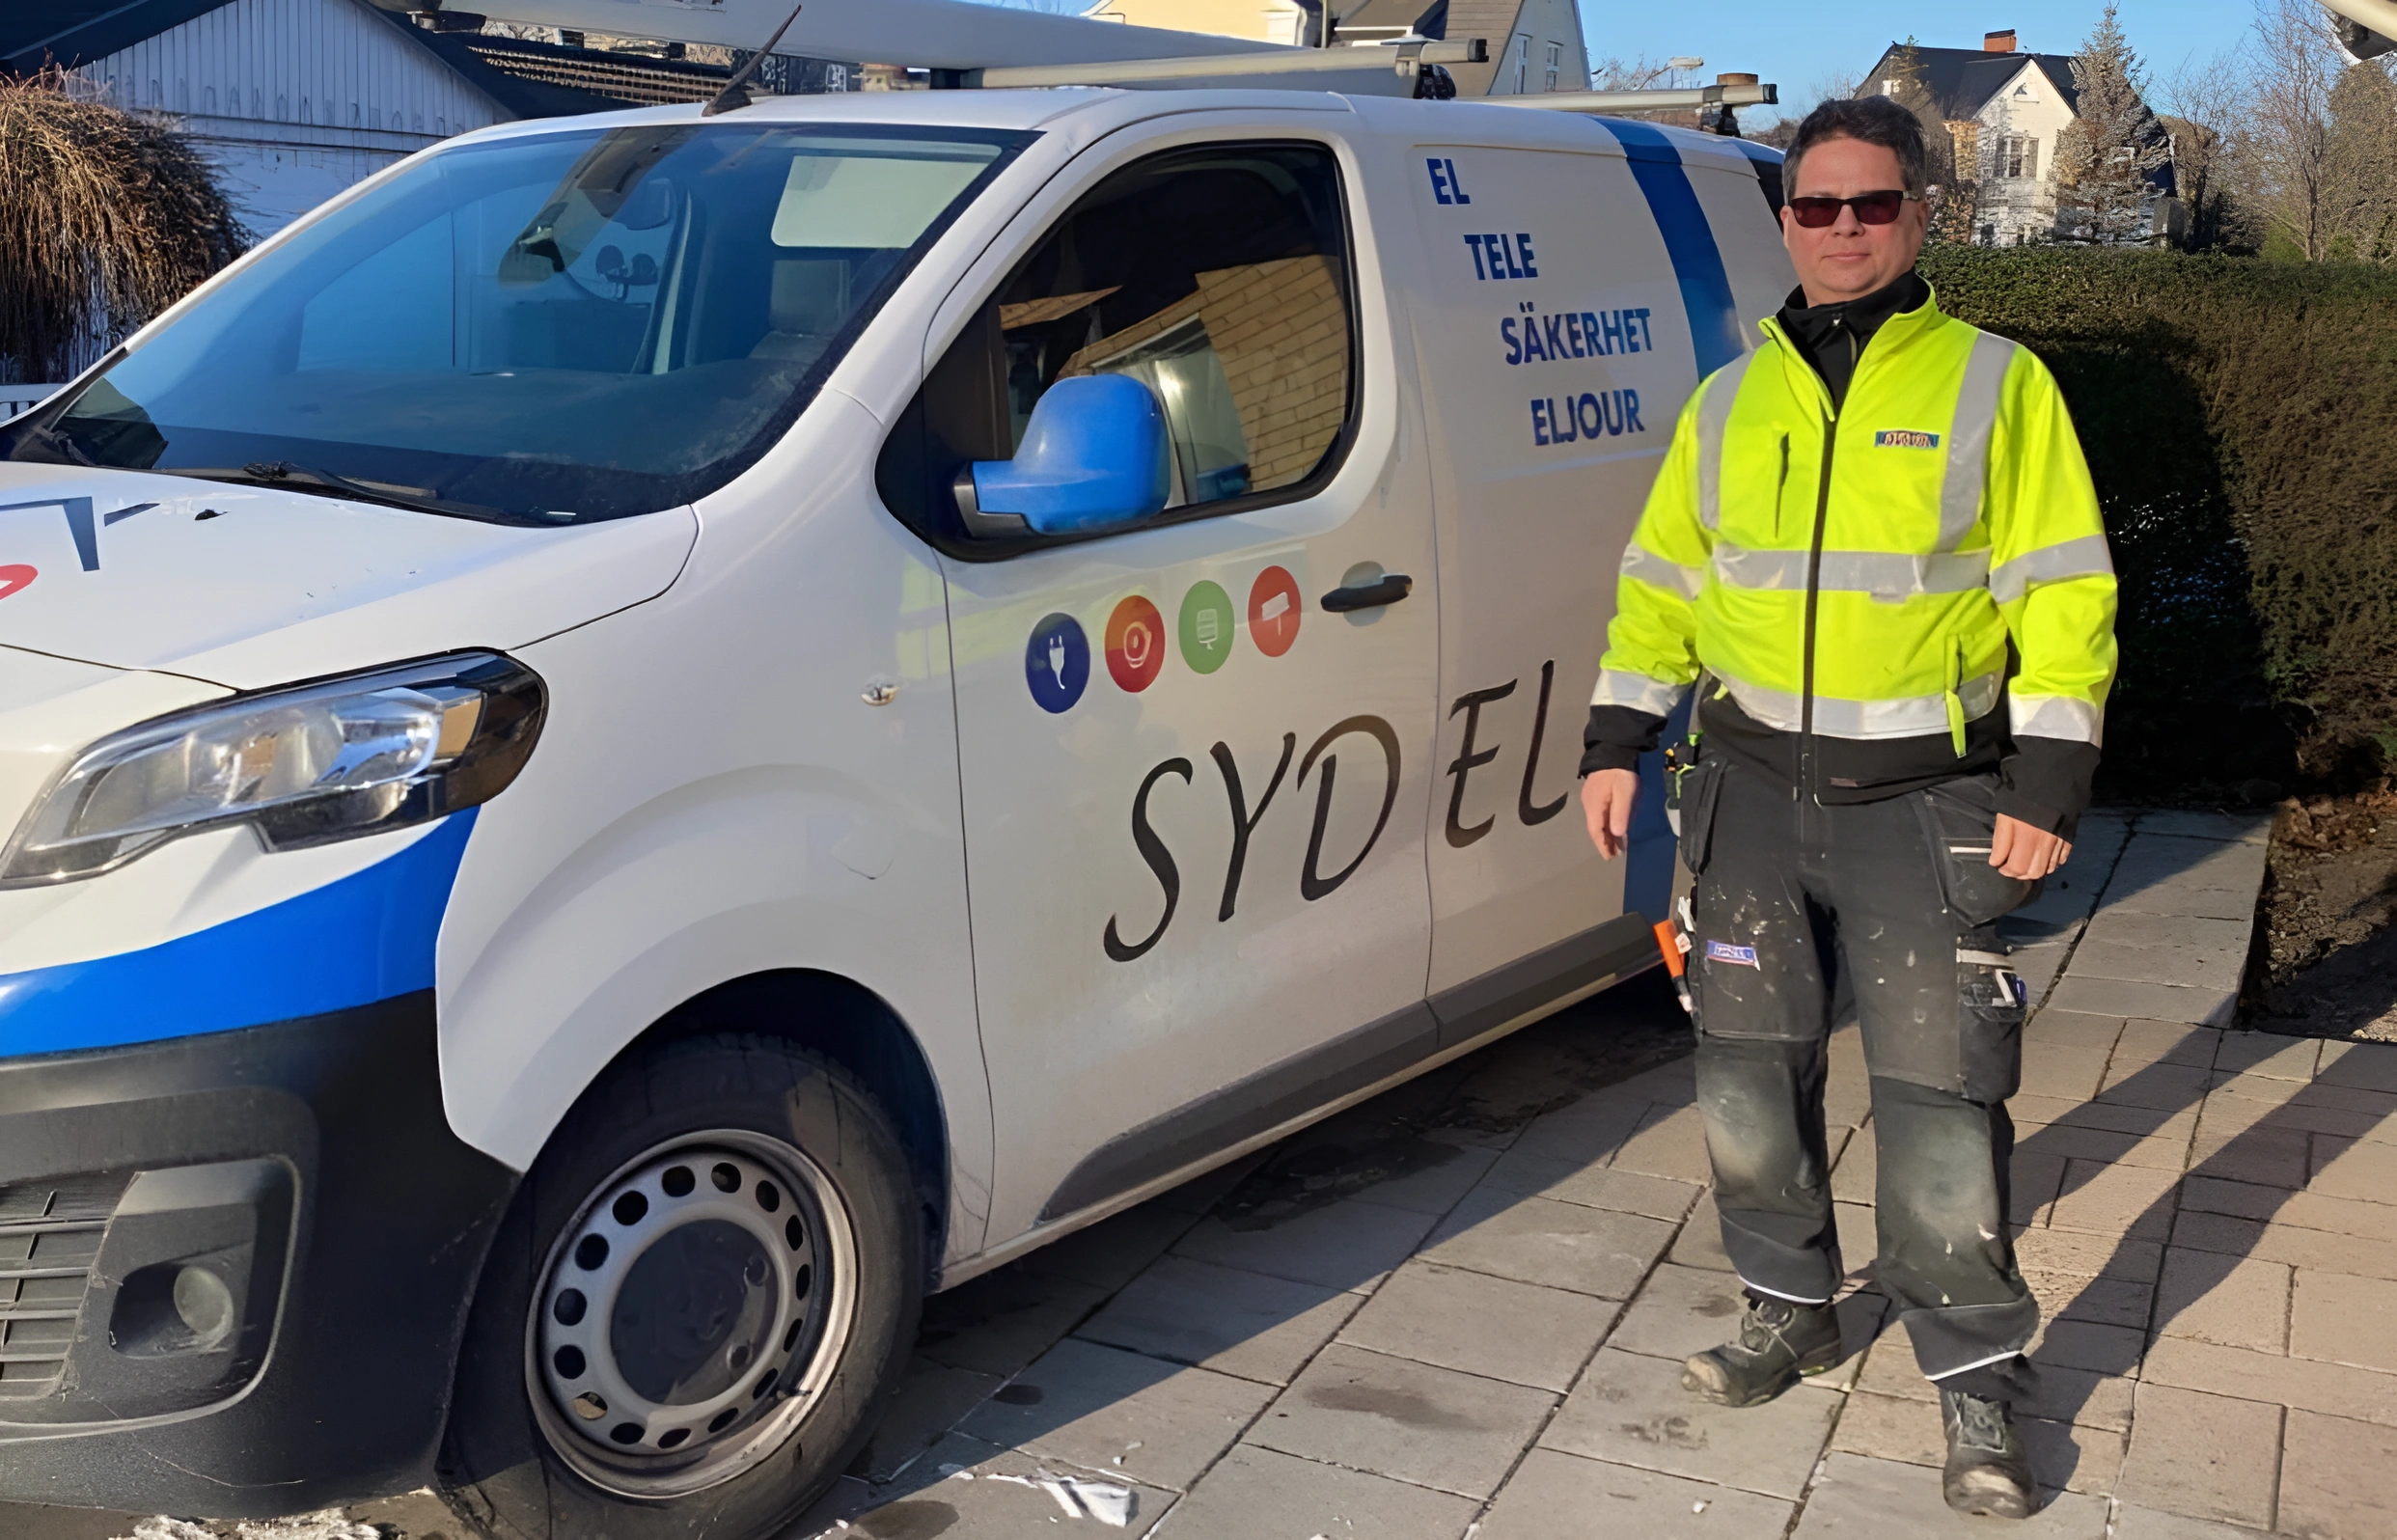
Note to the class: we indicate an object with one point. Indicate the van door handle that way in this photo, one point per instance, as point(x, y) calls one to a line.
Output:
point(1390, 589)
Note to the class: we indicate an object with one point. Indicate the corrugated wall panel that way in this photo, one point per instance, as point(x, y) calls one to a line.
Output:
point(324, 64)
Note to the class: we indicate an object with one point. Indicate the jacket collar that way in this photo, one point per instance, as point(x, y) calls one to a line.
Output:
point(1892, 337)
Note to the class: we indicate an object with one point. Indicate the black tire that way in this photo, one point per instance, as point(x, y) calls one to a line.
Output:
point(515, 1466)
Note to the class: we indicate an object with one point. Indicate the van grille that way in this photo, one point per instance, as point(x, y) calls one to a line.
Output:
point(49, 1236)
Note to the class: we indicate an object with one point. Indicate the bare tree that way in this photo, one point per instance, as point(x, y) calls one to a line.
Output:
point(2360, 186)
point(2206, 113)
point(2107, 159)
point(2283, 156)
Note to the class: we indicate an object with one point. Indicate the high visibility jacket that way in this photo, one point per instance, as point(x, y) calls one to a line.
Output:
point(1857, 573)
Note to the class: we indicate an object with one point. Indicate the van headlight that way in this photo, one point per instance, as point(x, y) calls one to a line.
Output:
point(303, 766)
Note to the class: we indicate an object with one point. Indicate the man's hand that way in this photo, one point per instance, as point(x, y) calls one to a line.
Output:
point(1607, 798)
point(2016, 848)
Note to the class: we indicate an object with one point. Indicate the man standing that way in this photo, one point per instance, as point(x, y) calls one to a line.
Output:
point(1875, 551)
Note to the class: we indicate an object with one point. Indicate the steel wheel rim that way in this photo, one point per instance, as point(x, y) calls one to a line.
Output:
point(658, 1360)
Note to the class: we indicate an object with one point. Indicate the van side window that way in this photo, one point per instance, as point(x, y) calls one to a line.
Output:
point(1218, 277)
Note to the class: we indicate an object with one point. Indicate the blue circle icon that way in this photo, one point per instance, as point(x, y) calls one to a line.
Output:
point(1057, 662)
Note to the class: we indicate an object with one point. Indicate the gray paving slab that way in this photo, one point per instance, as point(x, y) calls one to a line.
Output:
point(1699, 1243)
point(1859, 1497)
point(1573, 1181)
point(1345, 1244)
point(2114, 997)
point(2155, 863)
point(1537, 1240)
point(2135, 1523)
point(931, 1399)
point(998, 1323)
point(2244, 828)
point(972, 1491)
point(1555, 1496)
point(1630, 1410)
point(2188, 967)
point(1261, 1491)
point(1493, 1327)
point(1221, 1318)
point(1110, 1410)
point(1410, 1421)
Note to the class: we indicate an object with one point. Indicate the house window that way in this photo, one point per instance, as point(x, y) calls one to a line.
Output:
point(1555, 63)
point(1888, 87)
point(1523, 62)
point(2019, 158)
point(1989, 235)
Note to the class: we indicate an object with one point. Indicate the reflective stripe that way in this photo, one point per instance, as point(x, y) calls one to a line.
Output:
point(1649, 568)
point(2085, 557)
point(1968, 439)
point(2055, 716)
point(1883, 574)
point(1712, 418)
point(1620, 687)
point(1907, 717)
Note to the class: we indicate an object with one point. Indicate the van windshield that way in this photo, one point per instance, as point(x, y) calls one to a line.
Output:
point(563, 327)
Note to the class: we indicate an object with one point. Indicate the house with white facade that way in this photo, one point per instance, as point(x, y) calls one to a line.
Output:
point(2005, 110)
point(296, 99)
point(1535, 45)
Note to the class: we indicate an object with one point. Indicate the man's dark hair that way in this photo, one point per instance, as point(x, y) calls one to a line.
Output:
point(1870, 119)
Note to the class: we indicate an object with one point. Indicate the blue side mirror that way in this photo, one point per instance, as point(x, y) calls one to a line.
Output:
point(1094, 457)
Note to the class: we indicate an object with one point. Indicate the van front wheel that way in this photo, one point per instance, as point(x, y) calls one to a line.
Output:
point(696, 1308)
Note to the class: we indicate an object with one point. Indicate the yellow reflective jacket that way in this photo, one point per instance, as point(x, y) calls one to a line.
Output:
point(1858, 574)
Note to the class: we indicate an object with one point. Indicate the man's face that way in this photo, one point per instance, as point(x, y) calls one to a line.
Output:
point(1848, 259)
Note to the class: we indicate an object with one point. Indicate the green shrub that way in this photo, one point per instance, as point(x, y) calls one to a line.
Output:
point(2240, 422)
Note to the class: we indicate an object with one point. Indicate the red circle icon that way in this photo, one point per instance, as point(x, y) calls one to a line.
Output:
point(1136, 644)
point(1273, 607)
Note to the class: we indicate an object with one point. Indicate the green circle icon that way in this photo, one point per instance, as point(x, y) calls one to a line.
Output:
point(1206, 627)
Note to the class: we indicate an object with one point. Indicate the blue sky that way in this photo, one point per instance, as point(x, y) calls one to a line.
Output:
point(1801, 45)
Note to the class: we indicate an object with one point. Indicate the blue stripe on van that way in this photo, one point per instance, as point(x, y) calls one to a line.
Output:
point(365, 938)
point(1688, 241)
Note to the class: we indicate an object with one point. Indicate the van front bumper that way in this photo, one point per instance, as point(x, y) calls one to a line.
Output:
point(235, 1267)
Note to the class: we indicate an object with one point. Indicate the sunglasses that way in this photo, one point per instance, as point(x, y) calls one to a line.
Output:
point(1871, 208)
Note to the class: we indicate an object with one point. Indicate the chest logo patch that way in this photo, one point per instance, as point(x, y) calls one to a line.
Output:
point(1905, 438)
point(1723, 951)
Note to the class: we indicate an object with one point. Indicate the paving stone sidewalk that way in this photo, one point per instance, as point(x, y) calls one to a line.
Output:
point(1486, 1344)
point(1478, 1337)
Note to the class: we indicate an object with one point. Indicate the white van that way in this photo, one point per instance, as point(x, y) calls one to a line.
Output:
point(632, 747)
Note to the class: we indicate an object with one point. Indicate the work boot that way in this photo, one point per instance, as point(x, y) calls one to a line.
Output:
point(1778, 1342)
point(1986, 1474)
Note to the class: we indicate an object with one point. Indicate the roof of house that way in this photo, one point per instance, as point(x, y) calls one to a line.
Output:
point(1962, 80)
point(527, 79)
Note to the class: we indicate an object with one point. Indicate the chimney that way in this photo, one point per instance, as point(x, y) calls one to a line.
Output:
point(1998, 42)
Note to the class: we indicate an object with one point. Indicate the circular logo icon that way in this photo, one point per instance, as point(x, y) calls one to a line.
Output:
point(1273, 607)
point(1136, 644)
point(1057, 662)
point(1206, 627)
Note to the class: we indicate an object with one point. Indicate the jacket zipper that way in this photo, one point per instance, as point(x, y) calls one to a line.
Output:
point(1780, 489)
point(1814, 573)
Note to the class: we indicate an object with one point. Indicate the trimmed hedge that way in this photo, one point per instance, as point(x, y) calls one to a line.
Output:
point(2241, 421)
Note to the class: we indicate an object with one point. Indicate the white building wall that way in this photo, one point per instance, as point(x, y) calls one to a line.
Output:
point(1545, 32)
point(296, 99)
point(2015, 210)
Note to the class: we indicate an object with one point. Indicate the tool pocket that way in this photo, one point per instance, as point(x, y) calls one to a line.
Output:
point(1692, 798)
point(1991, 1002)
point(1959, 820)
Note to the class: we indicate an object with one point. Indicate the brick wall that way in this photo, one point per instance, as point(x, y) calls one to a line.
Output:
point(1280, 333)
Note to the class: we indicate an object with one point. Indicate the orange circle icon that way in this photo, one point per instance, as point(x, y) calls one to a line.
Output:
point(1136, 644)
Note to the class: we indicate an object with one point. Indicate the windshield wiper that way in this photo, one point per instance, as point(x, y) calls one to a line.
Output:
point(329, 483)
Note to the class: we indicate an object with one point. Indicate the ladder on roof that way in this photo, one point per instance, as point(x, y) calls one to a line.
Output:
point(968, 45)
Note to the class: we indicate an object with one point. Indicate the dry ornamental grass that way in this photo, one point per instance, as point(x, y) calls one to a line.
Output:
point(106, 218)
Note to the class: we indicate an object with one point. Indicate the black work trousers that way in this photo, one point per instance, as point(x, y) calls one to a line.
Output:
point(1898, 897)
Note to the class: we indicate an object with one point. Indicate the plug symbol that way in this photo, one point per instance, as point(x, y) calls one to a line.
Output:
point(1056, 658)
